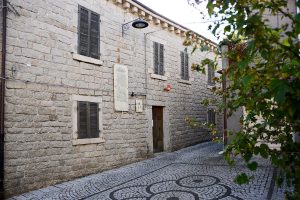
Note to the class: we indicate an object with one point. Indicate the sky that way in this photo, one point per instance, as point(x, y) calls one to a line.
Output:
point(183, 13)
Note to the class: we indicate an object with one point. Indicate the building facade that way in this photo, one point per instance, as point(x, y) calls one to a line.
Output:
point(84, 93)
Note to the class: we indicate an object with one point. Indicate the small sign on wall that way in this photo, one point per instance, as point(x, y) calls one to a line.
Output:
point(139, 105)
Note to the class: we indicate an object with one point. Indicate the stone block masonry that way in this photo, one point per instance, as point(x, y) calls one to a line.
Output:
point(43, 75)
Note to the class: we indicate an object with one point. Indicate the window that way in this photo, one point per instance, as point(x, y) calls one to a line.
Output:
point(184, 65)
point(210, 75)
point(87, 120)
point(88, 33)
point(158, 58)
point(211, 116)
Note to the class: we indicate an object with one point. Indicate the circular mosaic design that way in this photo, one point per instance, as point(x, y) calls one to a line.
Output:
point(175, 195)
point(197, 181)
point(186, 188)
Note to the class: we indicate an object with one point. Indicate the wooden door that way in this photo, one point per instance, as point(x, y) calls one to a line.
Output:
point(157, 116)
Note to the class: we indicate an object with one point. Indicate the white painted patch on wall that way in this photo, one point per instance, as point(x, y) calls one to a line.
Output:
point(121, 87)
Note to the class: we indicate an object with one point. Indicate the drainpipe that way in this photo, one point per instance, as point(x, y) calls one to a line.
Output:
point(2, 96)
point(225, 64)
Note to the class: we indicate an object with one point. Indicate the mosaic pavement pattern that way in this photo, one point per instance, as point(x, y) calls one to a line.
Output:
point(194, 173)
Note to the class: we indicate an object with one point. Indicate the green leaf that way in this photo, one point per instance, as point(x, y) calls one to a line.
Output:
point(247, 156)
point(279, 88)
point(243, 64)
point(252, 166)
point(194, 48)
point(291, 111)
point(227, 28)
point(256, 150)
point(286, 42)
point(242, 179)
point(246, 80)
point(264, 150)
point(229, 160)
point(210, 7)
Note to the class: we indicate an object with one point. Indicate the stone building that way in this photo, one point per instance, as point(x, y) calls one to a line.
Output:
point(84, 93)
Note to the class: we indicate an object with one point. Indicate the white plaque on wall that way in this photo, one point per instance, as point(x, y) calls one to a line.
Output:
point(139, 105)
point(121, 87)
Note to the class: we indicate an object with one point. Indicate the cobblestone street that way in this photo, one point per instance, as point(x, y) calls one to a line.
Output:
point(197, 172)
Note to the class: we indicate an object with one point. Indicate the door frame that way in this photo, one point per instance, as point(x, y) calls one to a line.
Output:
point(166, 128)
point(157, 112)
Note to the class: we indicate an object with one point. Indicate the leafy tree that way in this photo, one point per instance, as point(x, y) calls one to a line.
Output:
point(264, 75)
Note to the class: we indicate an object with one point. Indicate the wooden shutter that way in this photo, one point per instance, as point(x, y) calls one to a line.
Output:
point(156, 49)
point(161, 59)
point(186, 66)
point(182, 64)
point(210, 75)
point(88, 120)
point(82, 120)
point(211, 116)
point(209, 78)
point(214, 117)
point(94, 120)
point(94, 35)
point(83, 38)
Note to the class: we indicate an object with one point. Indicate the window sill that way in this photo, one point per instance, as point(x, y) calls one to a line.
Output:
point(160, 77)
point(188, 82)
point(86, 59)
point(88, 141)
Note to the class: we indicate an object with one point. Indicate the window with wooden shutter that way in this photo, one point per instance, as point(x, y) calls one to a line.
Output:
point(184, 65)
point(211, 116)
point(158, 58)
point(210, 75)
point(88, 120)
point(88, 33)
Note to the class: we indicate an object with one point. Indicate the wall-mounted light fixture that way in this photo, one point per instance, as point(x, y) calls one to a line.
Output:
point(137, 23)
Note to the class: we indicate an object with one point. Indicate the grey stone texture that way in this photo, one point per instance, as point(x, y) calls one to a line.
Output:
point(42, 77)
point(197, 172)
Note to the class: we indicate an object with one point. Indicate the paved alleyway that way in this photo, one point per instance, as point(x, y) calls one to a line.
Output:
point(196, 172)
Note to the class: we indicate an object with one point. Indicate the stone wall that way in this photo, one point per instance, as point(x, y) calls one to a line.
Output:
point(43, 76)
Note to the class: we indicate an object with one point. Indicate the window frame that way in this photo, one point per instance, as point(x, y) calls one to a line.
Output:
point(75, 117)
point(90, 12)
